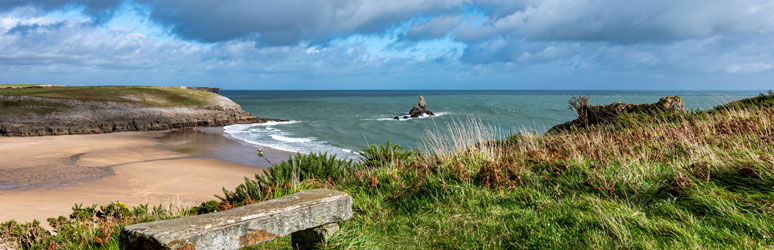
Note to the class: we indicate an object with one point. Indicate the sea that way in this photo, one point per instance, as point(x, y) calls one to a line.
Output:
point(344, 122)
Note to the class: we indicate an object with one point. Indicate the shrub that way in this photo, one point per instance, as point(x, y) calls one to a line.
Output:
point(385, 154)
point(579, 105)
point(206, 207)
point(277, 180)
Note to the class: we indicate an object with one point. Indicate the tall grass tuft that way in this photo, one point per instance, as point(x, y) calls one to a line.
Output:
point(468, 135)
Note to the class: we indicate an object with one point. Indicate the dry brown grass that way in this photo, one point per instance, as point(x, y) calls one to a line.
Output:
point(461, 136)
point(721, 139)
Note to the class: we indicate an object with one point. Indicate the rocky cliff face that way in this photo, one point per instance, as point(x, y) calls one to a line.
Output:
point(603, 114)
point(91, 117)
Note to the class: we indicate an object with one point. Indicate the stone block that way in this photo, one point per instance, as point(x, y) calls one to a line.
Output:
point(243, 226)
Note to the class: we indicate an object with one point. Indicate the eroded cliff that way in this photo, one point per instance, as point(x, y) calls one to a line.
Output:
point(27, 115)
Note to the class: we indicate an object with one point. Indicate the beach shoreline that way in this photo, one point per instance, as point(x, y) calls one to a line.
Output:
point(44, 176)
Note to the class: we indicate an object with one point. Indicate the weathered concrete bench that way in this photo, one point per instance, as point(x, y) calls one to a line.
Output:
point(311, 217)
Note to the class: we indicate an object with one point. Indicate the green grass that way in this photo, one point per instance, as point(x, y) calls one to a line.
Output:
point(30, 107)
point(144, 96)
point(150, 96)
point(17, 85)
point(703, 180)
point(762, 100)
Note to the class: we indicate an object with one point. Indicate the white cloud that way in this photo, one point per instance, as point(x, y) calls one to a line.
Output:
point(750, 67)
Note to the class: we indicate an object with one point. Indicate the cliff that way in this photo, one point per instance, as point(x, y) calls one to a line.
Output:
point(610, 113)
point(93, 110)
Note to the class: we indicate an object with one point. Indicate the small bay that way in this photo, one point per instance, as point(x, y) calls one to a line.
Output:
point(343, 122)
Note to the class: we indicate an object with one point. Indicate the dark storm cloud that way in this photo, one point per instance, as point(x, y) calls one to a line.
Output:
point(291, 21)
point(625, 22)
point(534, 26)
point(288, 21)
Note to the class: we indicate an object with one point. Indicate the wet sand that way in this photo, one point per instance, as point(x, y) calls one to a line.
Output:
point(42, 177)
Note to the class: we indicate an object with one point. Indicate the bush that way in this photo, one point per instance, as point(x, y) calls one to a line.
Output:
point(279, 179)
point(383, 155)
point(206, 207)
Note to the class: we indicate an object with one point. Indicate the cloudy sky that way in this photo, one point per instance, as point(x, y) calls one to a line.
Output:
point(381, 44)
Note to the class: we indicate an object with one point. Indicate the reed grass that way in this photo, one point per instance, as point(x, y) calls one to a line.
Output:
point(461, 135)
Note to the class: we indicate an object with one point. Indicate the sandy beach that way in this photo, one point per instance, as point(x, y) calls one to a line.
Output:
point(42, 177)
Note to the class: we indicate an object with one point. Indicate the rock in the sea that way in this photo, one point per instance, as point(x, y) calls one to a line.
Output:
point(422, 102)
point(396, 118)
point(420, 108)
point(602, 114)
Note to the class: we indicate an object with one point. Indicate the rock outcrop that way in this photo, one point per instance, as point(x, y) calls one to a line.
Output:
point(420, 109)
point(605, 114)
point(93, 117)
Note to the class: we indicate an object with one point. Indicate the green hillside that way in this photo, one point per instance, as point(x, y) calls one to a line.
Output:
point(144, 96)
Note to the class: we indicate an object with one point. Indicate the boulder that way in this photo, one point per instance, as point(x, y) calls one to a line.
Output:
point(420, 109)
point(606, 114)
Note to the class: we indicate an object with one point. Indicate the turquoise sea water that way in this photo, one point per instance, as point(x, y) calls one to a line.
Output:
point(342, 122)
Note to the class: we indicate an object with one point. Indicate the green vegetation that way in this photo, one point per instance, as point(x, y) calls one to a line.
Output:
point(385, 155)
point(9, 107)
point(762, 100)
point(16, 85)
point(699, 180)
point(298, 173)
point(144, 96)
point(85, 228)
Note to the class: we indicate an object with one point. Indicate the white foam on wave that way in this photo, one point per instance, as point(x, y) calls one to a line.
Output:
point(410, 118)
point(270, 134)
point(289, 139)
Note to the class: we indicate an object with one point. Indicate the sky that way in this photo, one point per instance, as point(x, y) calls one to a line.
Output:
point(383, 44)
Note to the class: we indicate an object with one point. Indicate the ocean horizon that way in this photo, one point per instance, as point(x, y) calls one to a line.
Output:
point(342, 122)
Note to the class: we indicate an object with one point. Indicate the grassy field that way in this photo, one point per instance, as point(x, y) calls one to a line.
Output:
point(17, 85)
point(698, 180)
point(144, 96)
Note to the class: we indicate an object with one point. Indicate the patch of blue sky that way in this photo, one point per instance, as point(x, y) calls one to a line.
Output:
point(132, 18)
point(390, 44)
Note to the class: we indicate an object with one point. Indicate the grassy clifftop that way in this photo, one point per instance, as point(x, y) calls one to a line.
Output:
point(699, 180)
point(57, 110)
point(142, 96)
point(146, 96)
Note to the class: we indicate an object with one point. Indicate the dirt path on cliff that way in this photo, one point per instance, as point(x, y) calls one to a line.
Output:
point(42, 177)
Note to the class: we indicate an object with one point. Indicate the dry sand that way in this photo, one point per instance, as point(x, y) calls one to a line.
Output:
point(42, 177)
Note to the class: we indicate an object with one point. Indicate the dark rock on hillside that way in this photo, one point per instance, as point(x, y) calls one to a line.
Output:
point(420, 109)
point(606, 114)
point(91, 117)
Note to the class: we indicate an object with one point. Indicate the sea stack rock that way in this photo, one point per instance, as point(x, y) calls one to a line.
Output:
point(420, 109)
